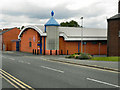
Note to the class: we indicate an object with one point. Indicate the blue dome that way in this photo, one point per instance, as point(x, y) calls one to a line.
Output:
point(52, 21)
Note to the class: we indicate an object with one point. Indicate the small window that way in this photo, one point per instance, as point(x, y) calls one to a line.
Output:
point(29, 39)
point(84, 43)
point(30, 44)
point(103, 43)
point(94, 42)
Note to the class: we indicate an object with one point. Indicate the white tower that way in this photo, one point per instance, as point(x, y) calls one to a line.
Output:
point(52, 39)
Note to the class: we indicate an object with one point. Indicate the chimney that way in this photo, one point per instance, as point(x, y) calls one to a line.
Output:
point(119, 6)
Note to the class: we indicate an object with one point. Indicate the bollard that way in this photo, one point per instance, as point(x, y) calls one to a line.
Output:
point(50, 52)
point(67, 52)
point(33, 51)
point(61, 52)
point(44, 52)
point(56, 52)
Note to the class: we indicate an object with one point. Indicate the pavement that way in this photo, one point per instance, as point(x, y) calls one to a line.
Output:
point(109, 65)
point(41, 71)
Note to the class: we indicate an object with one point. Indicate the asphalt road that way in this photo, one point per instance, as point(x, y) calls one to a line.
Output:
point(38, 72)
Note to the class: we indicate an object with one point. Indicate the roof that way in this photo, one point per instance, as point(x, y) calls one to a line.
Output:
point(117, 16)
point(38, 28)
point(6, 30)
point(72, 33)
point(52, 22)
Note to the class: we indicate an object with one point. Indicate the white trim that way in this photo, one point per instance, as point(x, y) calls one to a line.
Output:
point(35, 28)
point(66, 38)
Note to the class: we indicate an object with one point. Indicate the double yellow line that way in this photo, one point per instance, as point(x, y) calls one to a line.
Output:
point(14, 81)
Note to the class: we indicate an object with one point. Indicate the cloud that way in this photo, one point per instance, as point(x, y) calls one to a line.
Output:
point(19, 12)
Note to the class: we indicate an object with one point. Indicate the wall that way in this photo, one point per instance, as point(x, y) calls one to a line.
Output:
point(32, 36)
point(8, 36)
point(52, 39)
point(72, 47)
point(113, 38)
point(13, 46)
point(0, 42)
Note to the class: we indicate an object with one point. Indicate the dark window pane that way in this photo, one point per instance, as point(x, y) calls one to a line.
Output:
point(30, 44)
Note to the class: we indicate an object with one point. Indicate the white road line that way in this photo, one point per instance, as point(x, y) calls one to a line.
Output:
point(28, 63)
point(21, 61)
point(43, 59)
point(52, 69)
point(102, 82)
point(4, 57)
point(12, 58)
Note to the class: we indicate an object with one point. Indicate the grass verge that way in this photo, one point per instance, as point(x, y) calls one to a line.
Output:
point(116, 59)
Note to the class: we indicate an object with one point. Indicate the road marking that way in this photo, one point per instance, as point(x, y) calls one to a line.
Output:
point(28, 63)
point(12, 58)
point(78, 65)
point(52, 69)
point(4, 57)
point(13, 80)
point(21, 61)
point(17, 81)
point(9, 81)
point(102, 82)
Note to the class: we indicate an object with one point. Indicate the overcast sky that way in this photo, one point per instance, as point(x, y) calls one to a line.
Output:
point(31, 12)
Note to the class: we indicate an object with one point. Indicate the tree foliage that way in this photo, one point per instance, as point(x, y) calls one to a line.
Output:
point(72, 23)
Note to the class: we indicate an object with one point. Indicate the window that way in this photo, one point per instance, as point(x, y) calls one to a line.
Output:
point(30, 44)
point(94, 42)
point(84, 43)
point(104, 42)
point(29, 39)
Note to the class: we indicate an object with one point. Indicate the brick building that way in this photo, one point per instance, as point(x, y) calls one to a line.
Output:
point(9, 38)
point(53, 39)
point(113, 45)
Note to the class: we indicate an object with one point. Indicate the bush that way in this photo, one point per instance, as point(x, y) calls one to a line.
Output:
point(84, 56)
point(80, 56)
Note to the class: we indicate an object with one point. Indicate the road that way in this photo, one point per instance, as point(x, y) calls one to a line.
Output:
point(39, 72)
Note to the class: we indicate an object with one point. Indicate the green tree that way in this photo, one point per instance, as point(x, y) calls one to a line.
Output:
point(72, 23)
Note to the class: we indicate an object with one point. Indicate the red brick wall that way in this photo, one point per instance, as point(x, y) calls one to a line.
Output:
point(28, 36)
point(0, 42)
point(13, 46)
point(113, 38)
point(8, 36)
point(72, 47)
point(90, 48)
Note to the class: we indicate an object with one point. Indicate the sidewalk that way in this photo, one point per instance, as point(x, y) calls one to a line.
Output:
point(61, 58)
point(105, 64)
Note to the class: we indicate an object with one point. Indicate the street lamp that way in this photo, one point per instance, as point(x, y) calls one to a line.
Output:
point(81, 34)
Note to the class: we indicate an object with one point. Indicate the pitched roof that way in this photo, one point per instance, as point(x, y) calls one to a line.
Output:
point(6, 30)
point(73, 33)
point(117, 16)
point(52, 22)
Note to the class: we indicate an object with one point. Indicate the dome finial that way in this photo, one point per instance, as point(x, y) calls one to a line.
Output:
point(52, 13)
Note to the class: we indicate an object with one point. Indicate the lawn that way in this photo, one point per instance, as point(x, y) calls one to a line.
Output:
point(116, 59)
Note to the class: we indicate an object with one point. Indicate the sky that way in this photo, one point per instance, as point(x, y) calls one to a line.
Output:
point(17, 13)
